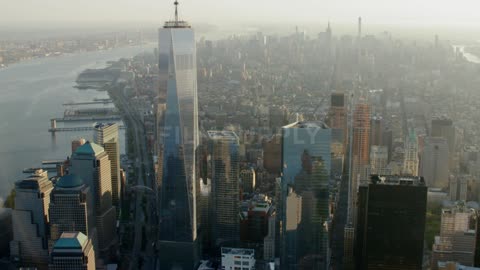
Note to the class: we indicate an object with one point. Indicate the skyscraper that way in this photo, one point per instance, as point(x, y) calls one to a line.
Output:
point(106, 135)
point(72, 251)
point(224, 158)
point(177, 142)
point(410, 166)
point(443, 127)
point(29, 219)
point(306, 158)
point(337, 118)
point(359, 27)
point(378, 159)
point(456, 241)
point(391, 223)
point(91, 163)
point(71, 208)
point(434, 162)
point(293, 218)
point(247, 177)
point(377, 130)
point(360, 150)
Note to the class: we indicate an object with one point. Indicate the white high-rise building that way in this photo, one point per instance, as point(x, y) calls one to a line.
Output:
point(29, 219)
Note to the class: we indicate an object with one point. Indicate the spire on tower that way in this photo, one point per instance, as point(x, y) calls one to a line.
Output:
point(176, 11)
point(176, 23)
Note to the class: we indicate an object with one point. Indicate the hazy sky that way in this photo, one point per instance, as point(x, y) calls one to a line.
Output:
point(448, 12)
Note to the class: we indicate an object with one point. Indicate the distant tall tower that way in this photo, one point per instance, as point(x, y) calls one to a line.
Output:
point(224, 158)
point(390, 208)
point(29, 219)
point(306, 156)
point(378, 159)
point(91, 163)
point(178, 141)
point(377, 130)
point(360, 149)
point(337, 118)
point(329, 35)
point(106, 135)
point(443, 127)
point(73, 251)
point(411, 163)
point(71, 208)
point(359, 27)
point(434, 162)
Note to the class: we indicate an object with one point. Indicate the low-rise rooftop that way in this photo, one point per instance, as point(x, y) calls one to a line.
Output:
point(397, 180)
point(238, 251)
point(308, 124)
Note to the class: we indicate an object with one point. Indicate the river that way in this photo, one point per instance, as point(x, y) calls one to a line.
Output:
point(470, 57)
point(33, 92)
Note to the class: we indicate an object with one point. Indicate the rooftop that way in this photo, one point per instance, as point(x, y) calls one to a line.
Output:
point(70, 181)
point(71, 240)
point(37, 181)
point(308, 124)
point(222, 134)
point(238, 251)
point(104, 125)
point(176, 24)
point(89, 149)
point(397, 180)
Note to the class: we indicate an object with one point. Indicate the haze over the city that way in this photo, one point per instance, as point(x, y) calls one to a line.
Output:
point(462, 12)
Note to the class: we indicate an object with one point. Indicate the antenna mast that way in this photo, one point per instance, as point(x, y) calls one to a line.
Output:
point(176, 11)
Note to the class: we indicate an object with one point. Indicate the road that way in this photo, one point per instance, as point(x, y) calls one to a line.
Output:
point(143, 220)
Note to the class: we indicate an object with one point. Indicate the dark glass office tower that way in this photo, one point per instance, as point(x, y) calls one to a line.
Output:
point(391, 223)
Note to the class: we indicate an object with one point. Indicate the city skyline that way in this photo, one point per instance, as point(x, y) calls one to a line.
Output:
point(294, 150)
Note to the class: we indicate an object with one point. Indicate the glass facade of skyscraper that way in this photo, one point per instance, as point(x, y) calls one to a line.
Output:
point(177, 142)
point(306, 157)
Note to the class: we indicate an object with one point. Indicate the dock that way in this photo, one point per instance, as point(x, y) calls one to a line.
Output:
point(87, 118)
point(95, 101)
point(74, 129)
point(33, 170)
point(53, 162)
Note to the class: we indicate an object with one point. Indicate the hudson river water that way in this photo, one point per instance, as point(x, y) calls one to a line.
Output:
point(33, 92)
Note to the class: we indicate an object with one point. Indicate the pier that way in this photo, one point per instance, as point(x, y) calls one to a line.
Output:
point(52, 162)
point(95, 101)
point(85, 119)
point(73, 129)
point(86, 103)
point(32, 170)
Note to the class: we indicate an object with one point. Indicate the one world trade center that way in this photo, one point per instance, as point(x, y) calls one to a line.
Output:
point(177, 142)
